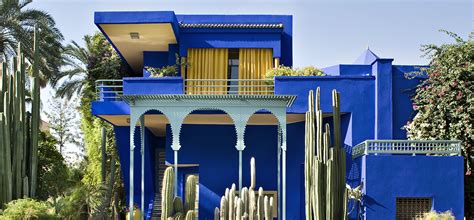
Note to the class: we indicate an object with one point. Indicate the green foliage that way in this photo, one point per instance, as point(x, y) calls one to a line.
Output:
point(433, 215)
point(63, 123)
point(444, 102)
point(163, 71)
point(53, 173)
point(98, 60)
point(81, 203)
point(288, 71)
point(28, 209)
point(83, 66)
point(171, 70)
point(17, 22)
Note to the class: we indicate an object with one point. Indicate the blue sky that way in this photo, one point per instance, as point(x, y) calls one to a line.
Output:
point(325, 32)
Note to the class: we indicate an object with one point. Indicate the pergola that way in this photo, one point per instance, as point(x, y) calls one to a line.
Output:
point(239, 108)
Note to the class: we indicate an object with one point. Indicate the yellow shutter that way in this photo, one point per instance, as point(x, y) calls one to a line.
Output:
point(210, 64)
point(253, 64)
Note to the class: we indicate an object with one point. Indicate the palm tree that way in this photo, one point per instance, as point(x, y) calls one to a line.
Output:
point(17, 24)
point(75, 59)
point(84, 65)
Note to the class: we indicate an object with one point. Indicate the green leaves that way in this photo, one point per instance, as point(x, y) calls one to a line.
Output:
point(445, 100)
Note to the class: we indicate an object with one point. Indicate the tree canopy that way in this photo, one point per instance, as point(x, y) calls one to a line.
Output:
point(17, 24)
point(444, 102)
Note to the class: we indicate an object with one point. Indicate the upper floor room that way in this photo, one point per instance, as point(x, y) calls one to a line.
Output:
point(198, 47)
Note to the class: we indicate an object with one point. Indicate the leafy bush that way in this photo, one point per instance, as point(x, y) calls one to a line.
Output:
point(288, 71)
point(433, 215)
point(162, 72)
point(28, 209)
point(52, 170)
point(171, 70)
point(444, 102)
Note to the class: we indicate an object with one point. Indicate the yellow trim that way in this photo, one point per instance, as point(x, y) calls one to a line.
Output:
point(277, 62)
point(207, 63)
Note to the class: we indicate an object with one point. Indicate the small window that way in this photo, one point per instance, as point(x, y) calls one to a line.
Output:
point(233, 71)
point(412, 208)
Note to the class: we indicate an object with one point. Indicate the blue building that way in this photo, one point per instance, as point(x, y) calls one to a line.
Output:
point(220, 110)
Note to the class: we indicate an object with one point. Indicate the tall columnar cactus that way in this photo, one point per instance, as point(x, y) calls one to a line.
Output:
point(248, 204)
point(18, 128)
point(324, 167)
point(172, 208)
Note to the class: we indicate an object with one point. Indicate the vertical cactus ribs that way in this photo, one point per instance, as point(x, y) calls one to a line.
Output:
point(19, 129)
point(172, 208)
point(325, 170)
point(248, 205)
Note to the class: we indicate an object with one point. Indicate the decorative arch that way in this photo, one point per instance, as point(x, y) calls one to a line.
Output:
point(209, 109)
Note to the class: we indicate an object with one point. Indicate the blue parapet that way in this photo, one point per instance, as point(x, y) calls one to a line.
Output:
point(386, 178)
point(152, 85)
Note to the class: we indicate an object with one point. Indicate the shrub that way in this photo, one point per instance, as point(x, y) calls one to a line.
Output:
point(162, 72)
point(288, 71)
point(28, 209)
point(433, 215)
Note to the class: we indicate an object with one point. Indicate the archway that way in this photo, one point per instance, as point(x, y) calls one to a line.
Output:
point(148, 137)
point(208, 139)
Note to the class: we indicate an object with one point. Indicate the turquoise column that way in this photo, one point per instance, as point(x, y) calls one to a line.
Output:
point(142, 151)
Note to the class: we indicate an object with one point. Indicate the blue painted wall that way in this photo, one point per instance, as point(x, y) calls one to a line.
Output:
point(122, 137)
point(403, 90)
point(389, 177)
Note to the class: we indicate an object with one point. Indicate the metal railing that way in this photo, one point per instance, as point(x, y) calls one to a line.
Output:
point(410, 147)
point(112, 89)
point(229, 86)
point(109, 89)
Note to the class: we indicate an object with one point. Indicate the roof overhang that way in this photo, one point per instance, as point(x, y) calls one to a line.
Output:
point(156, 31)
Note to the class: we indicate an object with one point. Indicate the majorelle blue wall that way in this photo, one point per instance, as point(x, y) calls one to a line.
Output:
point(388, 177)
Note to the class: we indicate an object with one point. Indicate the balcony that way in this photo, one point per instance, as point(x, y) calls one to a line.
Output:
point(113, 90)
point(408, 147)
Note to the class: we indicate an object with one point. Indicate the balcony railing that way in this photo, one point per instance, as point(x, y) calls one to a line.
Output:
point(112, 89)
point(409, 147)
point(109, 89)
point(229, 86)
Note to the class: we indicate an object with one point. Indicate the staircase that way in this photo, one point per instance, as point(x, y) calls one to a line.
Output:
point(160, 167)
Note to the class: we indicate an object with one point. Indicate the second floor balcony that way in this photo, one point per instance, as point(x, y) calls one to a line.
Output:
point(113, 89)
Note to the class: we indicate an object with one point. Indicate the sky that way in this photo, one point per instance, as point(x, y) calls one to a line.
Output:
point(325, 32)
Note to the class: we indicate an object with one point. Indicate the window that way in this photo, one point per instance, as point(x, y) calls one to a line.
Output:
point(233, 71)
point(412, 208)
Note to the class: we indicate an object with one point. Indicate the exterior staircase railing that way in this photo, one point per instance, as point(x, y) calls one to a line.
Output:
point(410, 147)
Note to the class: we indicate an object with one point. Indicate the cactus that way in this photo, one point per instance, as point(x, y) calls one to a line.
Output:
point(324, 168)
point(172, 207)
point(246, 205)
point(167, 194)
point(216, 213)
point(18, 129)
point(190, 193)
point(190, 215)
point(224, 208)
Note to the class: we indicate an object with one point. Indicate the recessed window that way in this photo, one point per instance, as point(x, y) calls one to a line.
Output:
point(233, 71)
point(413, 208)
